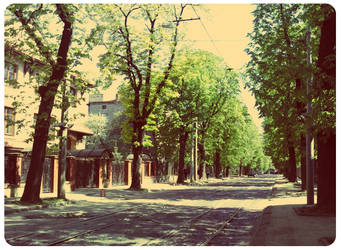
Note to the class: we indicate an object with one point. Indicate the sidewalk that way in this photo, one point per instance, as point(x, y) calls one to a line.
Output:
point(12, 205)
point(280, 225)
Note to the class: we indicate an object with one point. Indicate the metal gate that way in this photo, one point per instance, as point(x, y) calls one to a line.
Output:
point(48, 176)
point(85, 173)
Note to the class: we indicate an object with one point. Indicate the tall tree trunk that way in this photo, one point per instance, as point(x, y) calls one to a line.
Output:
point(326, 170)
point(227, 172)
point(303, 163)
point(326, 138)
point(47, 93)
point(202, 152)
point(155, 155)
point(292, 162)
point(34, 176)
point(182, 152)
point(137, 150)
point(217, 165)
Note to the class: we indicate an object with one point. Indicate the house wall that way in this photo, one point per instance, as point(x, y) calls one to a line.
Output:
point(108, 108)
point(29, 107)
point(28, 103)
point(26, 95)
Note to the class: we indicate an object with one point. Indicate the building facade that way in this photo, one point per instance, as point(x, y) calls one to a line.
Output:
point(21, 103)
point(96, 105)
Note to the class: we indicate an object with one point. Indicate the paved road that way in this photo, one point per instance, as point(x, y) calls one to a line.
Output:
point(219, 212)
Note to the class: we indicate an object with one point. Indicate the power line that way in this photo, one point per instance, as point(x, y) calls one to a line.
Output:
point(208, 34)
point(219, 41)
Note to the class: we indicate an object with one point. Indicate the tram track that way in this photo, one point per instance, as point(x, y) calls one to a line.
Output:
point(220, 228)
point(170, 223)
point(166, 237)
point(96, 229)
point(188, 224)
point(63, 225)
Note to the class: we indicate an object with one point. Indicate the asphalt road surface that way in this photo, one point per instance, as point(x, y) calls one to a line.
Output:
point(215, 213)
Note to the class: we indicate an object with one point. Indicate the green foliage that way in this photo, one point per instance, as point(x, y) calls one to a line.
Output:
point(97, 123)
point(139, 48)
point(36, 45)
point(278, 71)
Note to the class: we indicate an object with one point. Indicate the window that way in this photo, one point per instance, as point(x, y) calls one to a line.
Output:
point(73, 96)
point(104, 106)
point(9, 121)
point(73, 92)
point(11, 71)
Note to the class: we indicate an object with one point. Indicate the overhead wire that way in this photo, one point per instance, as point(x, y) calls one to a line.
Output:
point(208, 34)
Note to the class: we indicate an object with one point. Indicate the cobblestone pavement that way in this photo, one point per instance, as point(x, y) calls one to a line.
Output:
point(163, 215)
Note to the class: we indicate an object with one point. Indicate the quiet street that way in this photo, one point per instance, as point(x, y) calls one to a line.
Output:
point(169, 124)
point(218, 212)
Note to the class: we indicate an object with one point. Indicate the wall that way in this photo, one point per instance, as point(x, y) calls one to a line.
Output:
point(29, 106)
point(107, 108)
point(16, 168)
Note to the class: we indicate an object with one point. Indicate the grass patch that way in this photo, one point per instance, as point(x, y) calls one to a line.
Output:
point(47, 201)
point(50, 201)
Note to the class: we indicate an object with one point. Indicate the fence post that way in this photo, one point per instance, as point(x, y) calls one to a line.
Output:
point(109, 173)
point(142, 170)
point(55, 174)
point(100, 173)
point(127, 172)
point(72, 173)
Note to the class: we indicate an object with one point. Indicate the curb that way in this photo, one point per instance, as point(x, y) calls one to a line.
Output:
point(9, 210)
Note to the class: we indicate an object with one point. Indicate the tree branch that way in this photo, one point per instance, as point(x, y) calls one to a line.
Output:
point(65, 43)
point(149, 62)
point(170, 63)
point(126, 37)
point(43, 50)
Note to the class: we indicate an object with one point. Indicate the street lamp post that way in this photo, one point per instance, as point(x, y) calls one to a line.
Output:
point(62, 133)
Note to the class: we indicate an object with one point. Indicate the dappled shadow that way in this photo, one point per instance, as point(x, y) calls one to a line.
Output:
point(155, 224)
point(280, 225)
point(136, 218)
point(246, 188)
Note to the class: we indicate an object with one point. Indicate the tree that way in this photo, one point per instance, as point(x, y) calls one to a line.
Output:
point(233, 140)
point(287, 67)
point(107, 133)
point(137, 52)
point(28, 17)
point(325, 105)
point(53, 59)
point(114, 134)
point(221, 82)
point(192, 80)
point(223, 139)
point(277, 71)
point(98, 124)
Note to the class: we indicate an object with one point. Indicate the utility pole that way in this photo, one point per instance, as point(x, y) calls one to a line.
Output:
point(309, 165)
point(192, 158)
point(62, 146)
point(194, 153)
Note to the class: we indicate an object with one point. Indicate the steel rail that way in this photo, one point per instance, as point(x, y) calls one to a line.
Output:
point(218, 230)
